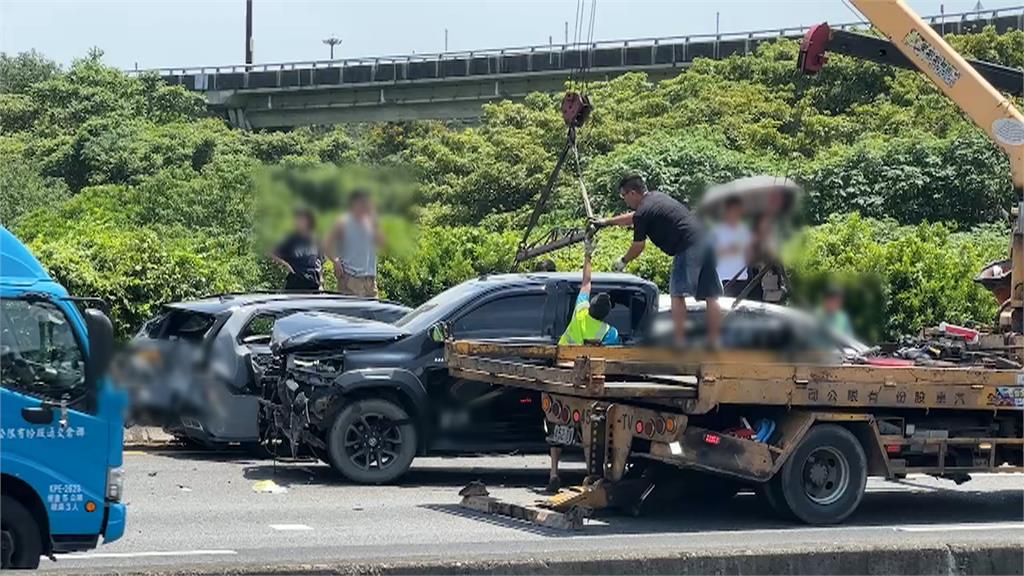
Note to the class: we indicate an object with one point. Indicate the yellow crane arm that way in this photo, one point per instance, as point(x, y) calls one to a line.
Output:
point(947, 69)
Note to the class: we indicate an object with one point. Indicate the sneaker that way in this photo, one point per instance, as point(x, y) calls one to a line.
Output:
point(554, 484)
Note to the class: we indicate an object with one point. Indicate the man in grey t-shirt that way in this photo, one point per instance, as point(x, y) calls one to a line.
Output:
point(352, 247)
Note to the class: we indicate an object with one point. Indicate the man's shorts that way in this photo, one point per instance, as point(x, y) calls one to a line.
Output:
point(362, 286)
point(694, 273)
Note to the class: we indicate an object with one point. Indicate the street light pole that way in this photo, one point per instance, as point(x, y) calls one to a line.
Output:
point(332, 42)
point(248, 32)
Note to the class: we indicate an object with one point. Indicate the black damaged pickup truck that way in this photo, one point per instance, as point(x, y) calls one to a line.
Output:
point(368, 397)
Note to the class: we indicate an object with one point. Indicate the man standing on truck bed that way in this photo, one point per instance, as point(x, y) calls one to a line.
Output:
point(587, 325)
point(678, 233)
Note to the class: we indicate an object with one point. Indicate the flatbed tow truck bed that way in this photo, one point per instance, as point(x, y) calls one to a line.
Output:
point(821, 428)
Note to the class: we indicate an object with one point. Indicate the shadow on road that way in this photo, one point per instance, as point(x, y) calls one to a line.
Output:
point(455, 476)
point(747, 512)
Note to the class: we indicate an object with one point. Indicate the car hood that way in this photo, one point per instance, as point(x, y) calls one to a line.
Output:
point(311, 330)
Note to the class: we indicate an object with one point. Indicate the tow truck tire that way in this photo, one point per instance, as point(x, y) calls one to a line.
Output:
point(366, 446)
point(771, 493)
point(823, 481)
point(25, 540)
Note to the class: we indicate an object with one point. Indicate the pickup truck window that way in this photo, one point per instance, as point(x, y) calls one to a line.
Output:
point(511, 316)
point(258, 330)
point(39, 354)
point(187, 325)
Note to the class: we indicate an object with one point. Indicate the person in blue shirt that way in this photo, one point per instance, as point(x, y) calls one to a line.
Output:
point(587, 326)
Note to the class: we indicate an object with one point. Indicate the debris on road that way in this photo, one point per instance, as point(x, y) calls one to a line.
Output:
point(268, 487)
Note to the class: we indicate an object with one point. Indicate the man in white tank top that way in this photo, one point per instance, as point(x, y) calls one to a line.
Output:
point(352, 247)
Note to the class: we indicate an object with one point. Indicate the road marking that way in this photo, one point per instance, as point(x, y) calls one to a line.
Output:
point(290, 527)
point(974, 526)
point(102, 555)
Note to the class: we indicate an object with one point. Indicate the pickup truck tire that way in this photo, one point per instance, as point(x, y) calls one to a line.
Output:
point(21, 533)
point(372, 441)
point(823, 481)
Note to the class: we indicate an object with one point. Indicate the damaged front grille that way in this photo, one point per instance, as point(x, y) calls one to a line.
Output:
point(295, 391)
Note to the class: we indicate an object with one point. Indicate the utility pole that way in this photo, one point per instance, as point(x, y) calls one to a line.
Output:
point(566, 32)
point(332, 41)
point(445, 39)
point(248, 32)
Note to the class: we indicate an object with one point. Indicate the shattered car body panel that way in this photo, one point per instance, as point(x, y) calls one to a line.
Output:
point(320, 330)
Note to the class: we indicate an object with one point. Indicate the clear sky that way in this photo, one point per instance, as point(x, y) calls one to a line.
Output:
point(165, 33)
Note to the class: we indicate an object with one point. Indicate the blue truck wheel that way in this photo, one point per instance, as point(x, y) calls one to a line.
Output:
point(20, 534)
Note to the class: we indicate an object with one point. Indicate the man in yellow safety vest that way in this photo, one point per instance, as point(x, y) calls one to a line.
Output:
point(586, 327)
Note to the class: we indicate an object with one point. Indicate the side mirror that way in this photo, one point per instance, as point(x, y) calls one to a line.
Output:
point(439, 332)
point(101, 344)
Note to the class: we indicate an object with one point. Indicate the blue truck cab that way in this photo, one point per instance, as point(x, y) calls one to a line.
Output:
point(61, 419)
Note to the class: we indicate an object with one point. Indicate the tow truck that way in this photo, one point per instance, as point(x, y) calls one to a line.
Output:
point(804, 431)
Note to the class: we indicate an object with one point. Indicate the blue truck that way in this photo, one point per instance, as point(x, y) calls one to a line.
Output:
point(61, 418)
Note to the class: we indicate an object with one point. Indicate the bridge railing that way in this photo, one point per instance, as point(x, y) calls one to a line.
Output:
point(633, 52)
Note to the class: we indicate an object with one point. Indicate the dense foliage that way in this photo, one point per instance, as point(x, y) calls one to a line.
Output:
point(127, 190)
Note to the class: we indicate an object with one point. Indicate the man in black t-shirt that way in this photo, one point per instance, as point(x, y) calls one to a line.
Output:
point(300, 255)
point(678, 233)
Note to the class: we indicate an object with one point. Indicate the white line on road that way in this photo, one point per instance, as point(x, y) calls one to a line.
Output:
point(949, 527)
point(101, 555)
point(290, 527)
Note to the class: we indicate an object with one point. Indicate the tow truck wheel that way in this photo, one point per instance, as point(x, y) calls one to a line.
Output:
point(372, 441)
point(823, 481)
point(22, 543)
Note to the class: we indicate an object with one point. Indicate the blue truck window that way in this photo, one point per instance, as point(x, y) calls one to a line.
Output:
point(39, 354)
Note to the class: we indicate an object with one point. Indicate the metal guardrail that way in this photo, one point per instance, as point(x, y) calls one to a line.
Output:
point(954, 20)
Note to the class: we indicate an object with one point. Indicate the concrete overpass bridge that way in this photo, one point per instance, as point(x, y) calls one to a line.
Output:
point(454, 85)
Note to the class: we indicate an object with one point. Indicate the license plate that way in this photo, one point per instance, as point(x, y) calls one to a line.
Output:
point(562, 434)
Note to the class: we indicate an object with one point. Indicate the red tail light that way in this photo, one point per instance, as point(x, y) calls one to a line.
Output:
point(639, 427)
point(712, 439)
point(575, 415)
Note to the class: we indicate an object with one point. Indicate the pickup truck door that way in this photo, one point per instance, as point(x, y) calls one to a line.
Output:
point(474, 415)
point(61, 452)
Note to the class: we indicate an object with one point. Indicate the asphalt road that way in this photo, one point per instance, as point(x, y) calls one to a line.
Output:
point(199, 510)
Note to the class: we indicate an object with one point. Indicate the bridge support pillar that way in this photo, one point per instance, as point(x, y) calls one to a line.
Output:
point(237, 119)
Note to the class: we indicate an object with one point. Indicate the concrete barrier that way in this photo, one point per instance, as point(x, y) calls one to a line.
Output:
point(996, 558)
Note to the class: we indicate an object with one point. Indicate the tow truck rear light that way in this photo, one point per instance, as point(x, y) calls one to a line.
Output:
point(576, 416)
point(712, 439)
point(893, 448)
point(545, 402)
point(639, 427)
